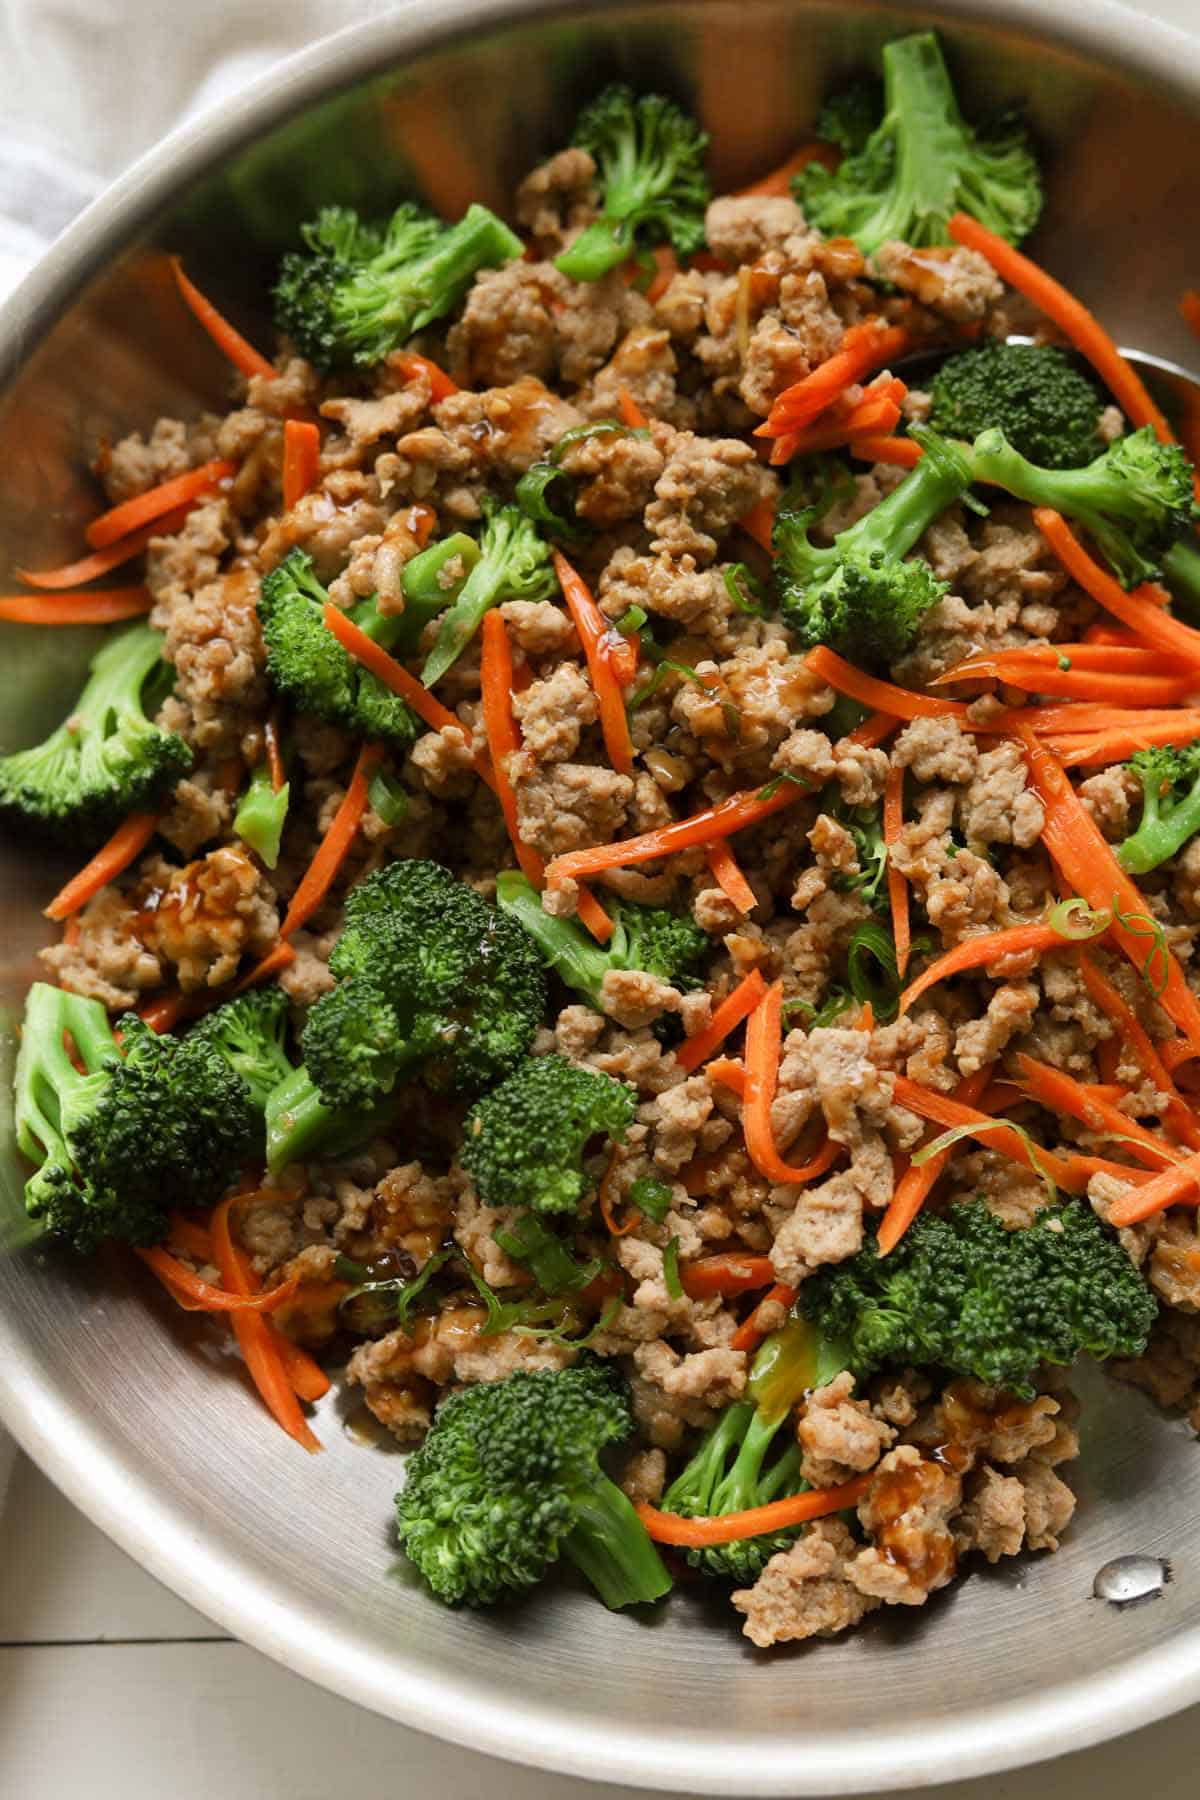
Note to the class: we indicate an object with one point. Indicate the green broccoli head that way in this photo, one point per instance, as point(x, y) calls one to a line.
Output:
point(1046, 406)
point(962, 1293)
point(514, 564)
point(250, 1032)
point(1134, 500)
point(524, 1143)
point(108, 758)
point(152, 1123)
point(1170, 781)
point(650, 157)
point(508, 1480)
point(308, 664)
point(430, 977)
point(922, 163)
point(849, 117)
point(859, 595)
point(650, 938)
point(358, 291)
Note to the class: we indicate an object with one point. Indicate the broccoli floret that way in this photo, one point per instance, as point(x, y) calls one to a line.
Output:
point(358, 291)
point(1170, 781)
point(923, 163)
point(107, 758)
point(650, 157)
point(508, 1480)
point(849, 117)
point(430, 980)
point(250, 1032)
point(1034, 393)
point(150, 1123)
point(261, 814)
point(1134, 500)
point(858, 595)
point(524, 1143)
point(962, 1293)
point(730, 1471)
point(514, 564)
point(650, 938)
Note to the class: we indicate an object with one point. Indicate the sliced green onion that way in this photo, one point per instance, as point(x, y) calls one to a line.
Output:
point(501, 1314)
point(631, 620)
point(597, 428)
point(546, 495)
point(416, 1287)
point(773, 786)
point(872, 944)
point(651, 1196)
point(671, 1279)
point(546, 1256)
point(383, 1304)
point(948, 1139)
point(831, 1008)
point(387, 798)
point(261, 814)
point(1064, 662)
point(1156, 969)
point(559, 1335)
point(1076, 920)
point(747, 593)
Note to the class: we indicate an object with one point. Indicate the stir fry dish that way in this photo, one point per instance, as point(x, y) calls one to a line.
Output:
point(644, 829)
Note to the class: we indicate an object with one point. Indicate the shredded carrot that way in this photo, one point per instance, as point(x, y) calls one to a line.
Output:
point(165, 1013)
point(1011, 666)
point(604, 1199)
point(1095, 749)
point(1126, 688)
point(500, 727)
point(897, 886)
point(101, 607)
point(274, 754)
point(817, 1503)
point(666, 267)
point(1077, 719)
point(1189, 309)
point(332, 851)
point(229, 342)
point(727, 1072)
point(395, 676)
point(865, 347)
point(78, 574)
point(750, 1333)
point(763, 1040)
point(1142, 610)
point(942, 1109)
point(258, 1344)
point(735, 1007)
point(724, 869)
point(408, 364)
point(131, 515)
point(759, 523)
point(127, 842)
point(1078, 848)
point(981, 951)
point(1103, 633)
point(301, 459)
point(873, 730)
point(186, 1286)
point(903, 452)
point(606, 663)
point(592, 916)
point(1178, 1052)
point(732, 815)
point(880, 696)
point(277, 957)
point(1172, 1187)
point(728, 1273)
point(876, 414)
point(1130, 1030)
point(1061, 1093)
point(919, 1180)
point(1073, 319)
point(192, 1238)
point(629, 410)
point(1108, 1059)
point(779, 181)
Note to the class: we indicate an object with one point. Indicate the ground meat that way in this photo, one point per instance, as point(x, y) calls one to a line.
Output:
point(804, 1592)
point(553, 713)
point(200, 811)
point(506, 329)
point(706, 486)
point(955, 282)
point(1111, 796)
point(615, 475)
point(107, 960)
point(825, 1226)
point(1009, 1011)
point(500, 429)
point(856, 1098)
point(739, 228)
point(1049, 1505)
point(911, 1550)
point(558, 199)
point(644, 365)
point(364, 422)
point(937, 749)
point(568, 806)
point(992, 1519)
point(645, 1476)
point(137, 463)
point(839, 1436)
point(205, 917)
point(999, 807)
point(539, 627)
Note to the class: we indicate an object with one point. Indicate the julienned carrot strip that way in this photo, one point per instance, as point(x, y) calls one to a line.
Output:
point(779, 181)
point(875, 414)
point(78, 574)
point(308, 1379)
point(410, 365)
point(1141, 610)
point(103, 607)
point(500, 728)
point(763, 1040)
point(277, 957)
point(603, 661)
point(629, 410)
point(897, 886)
point(194, 1239)
point(873, 730)
point(200, 1296)
point(750, 1333)
point(127, 842)
point(724, 869)
point(1124, 689)
point(666, 267)
point(980, 951)
point(880, 696)
point(865, 347)
point(1087, 862)
point(1061, 1093)
point(395, 676)
point(258, 1344)
point(1095, 749)
point(904, 452)
point(941, 1109)
point(229, 342)
point(817, 1503)
point(604, 1199)
point(1189, 309)
point(332, 851)
point(735, 1007)
point(918, 1180)
point(1073, 319)
point(301, 459)
point(1129, 1030)
point(274, 754)
point(1112, 634)
point(131, 515)
point(727, 1072)
point(165, 1013)
point(759, 523)
point(727, 1273)
point(1078, 718)
point(1171, 1187)
point(732, 815)
point(1119, 658)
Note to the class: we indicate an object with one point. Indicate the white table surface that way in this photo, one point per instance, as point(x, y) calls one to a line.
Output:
point(112, 1688)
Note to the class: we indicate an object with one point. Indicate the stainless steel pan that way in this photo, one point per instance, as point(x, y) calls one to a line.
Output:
point(125, 1403)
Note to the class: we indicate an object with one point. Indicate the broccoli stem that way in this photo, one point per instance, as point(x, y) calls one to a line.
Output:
point(600, 246)
point(300, 1124)
point(1160, 835)
point(918, 93)
point(610, 1545)
point(564, 944)
point(1181, 567)
point(428, 286)
point(51, 1094)
point(261, 813)
point(427, 591)
point(901, 519)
